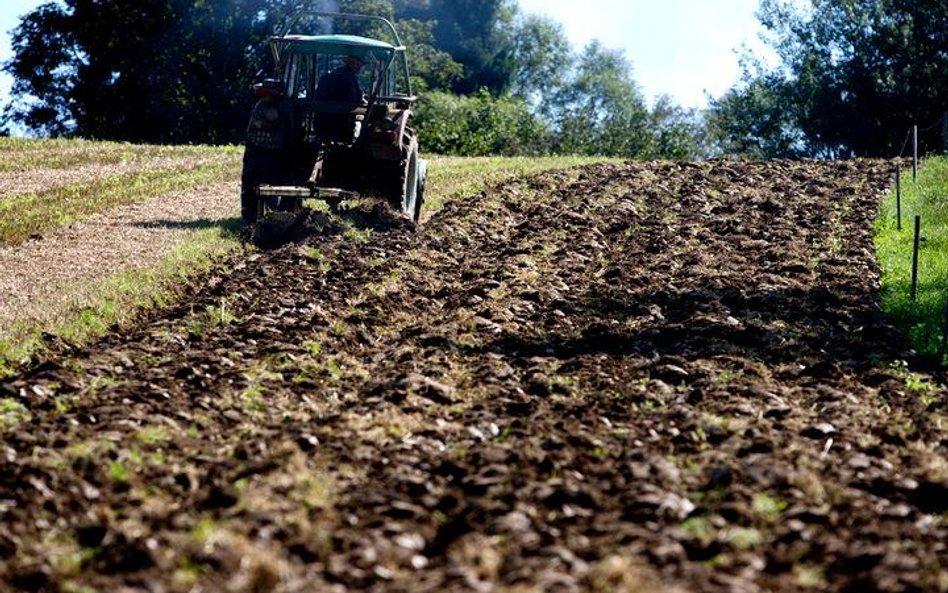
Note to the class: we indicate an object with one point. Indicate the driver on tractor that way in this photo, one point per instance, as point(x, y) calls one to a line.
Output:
point(342, 84)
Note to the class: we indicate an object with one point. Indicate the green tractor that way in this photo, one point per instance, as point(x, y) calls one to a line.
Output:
point(332, 123)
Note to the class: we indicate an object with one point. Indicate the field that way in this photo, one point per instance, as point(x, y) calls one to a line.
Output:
point(615, 377)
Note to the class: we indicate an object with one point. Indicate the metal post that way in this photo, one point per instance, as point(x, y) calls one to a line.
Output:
point(898, 197)
point(918, 232)
point(914, 153)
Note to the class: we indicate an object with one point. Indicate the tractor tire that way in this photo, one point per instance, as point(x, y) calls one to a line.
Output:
point(404, 188)
point(422, 179)
point(260, 166)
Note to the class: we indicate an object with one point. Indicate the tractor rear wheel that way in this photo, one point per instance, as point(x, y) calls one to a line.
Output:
point(260, 166)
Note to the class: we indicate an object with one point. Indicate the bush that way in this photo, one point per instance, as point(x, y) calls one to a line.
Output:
point(480, 125)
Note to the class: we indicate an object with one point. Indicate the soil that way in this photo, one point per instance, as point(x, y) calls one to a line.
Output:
point(639, 377)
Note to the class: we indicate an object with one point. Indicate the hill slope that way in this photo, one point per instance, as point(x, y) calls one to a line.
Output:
point(629, 377)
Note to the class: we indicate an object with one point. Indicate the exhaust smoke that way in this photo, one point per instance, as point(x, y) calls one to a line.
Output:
point(325, 25)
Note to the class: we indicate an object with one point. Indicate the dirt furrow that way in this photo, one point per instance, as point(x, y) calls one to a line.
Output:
point(632, 377)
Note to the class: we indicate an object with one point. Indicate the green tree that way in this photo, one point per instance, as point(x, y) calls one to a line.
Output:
point(141, 70)
point(677, 133)
point(431, 68)
point(601, 110)
point(541, 60)
point(480, 125)
point(853, 75)
point(477, 35)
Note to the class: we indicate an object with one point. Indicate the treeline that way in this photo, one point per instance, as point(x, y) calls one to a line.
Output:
point(493, 80)
point(850, 78)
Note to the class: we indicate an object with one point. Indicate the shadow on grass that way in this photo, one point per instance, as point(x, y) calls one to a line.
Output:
point(228, 226)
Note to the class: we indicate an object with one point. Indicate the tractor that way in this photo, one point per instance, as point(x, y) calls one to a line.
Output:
point(311, 138)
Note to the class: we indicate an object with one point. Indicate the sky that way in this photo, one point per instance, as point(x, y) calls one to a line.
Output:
point(684, 48)
point(10, 13)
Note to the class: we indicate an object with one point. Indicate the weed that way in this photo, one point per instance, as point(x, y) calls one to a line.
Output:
point(358, 236)
point(697, 527)
point(767, 507)
point(12, 413)
point(744, 538)
point(727, 377)
point(220, 315)
point(313, 347)
point(809, 577)
point(117, 471)
point(317, 491)
point(152, 435)
point(73, 587)
point(918, 384)
point(203, 530)
point(317, 257)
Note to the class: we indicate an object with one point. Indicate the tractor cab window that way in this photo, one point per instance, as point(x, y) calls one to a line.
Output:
point(299, 76)
point(344, 78)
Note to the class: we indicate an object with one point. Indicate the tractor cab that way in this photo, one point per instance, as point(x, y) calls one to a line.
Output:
point(315, 73)
point(331, 122)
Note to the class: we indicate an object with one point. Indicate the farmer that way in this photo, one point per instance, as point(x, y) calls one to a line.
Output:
point(342, 84)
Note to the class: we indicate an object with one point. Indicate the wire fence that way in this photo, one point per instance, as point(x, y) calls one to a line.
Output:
point(912, 136)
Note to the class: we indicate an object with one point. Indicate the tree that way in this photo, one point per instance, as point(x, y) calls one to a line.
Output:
point(541, 60)
point(140, 70)
point(853, 76)
point(477, 35)
point(169, 71)
point(677, 133)
point(600, 110)
point(480, 125)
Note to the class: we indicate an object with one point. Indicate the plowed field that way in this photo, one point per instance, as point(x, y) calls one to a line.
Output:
point(641, 377)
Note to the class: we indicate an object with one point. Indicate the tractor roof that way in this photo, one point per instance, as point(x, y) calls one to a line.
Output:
point(349, 45)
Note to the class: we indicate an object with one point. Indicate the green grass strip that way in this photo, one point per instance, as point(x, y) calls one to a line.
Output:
point(922, 320)
point(93, 154)
point(24, 216)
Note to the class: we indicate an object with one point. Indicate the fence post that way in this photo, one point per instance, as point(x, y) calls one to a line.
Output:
point(898, 197)
point(918, 233)
point(914, 153)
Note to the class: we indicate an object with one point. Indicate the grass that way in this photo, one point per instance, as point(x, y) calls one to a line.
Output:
point(24, 154)
point(126, 295)
point(24, 216)
point(922, 320)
